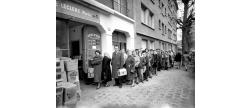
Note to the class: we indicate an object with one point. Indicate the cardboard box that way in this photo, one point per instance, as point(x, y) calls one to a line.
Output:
point(71, 65)
point(70, 92)
point(72, 76)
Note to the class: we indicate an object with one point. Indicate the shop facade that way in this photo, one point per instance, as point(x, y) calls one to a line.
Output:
point(84, 26)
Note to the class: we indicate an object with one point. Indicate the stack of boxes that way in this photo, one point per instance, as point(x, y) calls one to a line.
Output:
point(67, 82)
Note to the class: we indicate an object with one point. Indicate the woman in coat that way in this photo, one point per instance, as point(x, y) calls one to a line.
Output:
point(106, 70)
point(97, 64)
point(130, 67)
point(142, 66)
point(138, 77)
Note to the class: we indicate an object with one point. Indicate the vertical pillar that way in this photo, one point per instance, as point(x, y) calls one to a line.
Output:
point(107, 46)
point(130, 41)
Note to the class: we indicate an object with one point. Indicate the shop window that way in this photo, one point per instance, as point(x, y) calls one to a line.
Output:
point(144, 44)
point(62, 38)
point(151, 44)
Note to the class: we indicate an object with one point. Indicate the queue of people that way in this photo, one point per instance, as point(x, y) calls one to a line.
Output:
point(141, 65)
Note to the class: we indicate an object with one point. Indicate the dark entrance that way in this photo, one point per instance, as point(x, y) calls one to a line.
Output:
point(119, 39)
point(75, 48)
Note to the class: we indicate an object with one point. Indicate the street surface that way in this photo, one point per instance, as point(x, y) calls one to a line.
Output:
point(170, 89)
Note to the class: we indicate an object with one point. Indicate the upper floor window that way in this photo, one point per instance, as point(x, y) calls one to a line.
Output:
point(159, 23)
point(160, 3)
point(165, 12)
point(169, 34)
point(163, 29)
point(147, 17)
point(121, 6)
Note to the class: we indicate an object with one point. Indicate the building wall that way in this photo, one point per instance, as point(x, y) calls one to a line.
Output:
point(127, 5)
point(113, 23)
point(154, 33)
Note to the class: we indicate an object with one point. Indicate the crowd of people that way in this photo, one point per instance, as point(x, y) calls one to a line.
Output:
point(141, 65)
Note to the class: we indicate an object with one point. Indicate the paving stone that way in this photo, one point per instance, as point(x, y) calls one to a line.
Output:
point(173, 87)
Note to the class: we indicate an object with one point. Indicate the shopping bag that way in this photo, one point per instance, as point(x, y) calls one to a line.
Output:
point(90, 72)
point(122, 72)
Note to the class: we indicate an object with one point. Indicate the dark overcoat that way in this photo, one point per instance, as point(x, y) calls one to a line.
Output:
point(117, 63)
point(106, 70)
point(97, 64)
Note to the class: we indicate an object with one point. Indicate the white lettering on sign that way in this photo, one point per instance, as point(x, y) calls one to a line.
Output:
point(93, 36)
point(74, 9)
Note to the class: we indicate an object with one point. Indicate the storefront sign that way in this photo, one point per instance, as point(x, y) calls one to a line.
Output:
point(94, 36)
point(73, 9)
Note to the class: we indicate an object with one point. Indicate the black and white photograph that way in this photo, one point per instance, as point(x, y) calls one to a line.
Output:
point(125, 54)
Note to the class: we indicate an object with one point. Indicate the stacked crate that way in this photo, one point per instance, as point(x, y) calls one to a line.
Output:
point(68, 90)
point(60, 78)
point(73, 74)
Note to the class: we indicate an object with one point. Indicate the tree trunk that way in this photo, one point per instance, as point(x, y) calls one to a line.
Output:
point(185, 42)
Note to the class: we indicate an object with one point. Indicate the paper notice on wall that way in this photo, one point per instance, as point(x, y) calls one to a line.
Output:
point(93, 47)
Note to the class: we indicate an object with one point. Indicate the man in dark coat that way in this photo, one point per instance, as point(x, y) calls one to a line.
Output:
point(117, 63)
point(147, 72)
point(154, 62)
point(159, 57)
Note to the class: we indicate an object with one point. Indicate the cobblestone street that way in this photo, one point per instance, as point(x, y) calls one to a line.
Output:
point(170, 89)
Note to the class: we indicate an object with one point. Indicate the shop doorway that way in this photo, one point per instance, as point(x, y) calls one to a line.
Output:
point(75, 48)
point(119, 39)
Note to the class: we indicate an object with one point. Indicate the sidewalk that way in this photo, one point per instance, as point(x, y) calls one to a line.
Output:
point(171, 88)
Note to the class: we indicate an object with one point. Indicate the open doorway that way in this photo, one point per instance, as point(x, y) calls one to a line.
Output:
point(119, 39)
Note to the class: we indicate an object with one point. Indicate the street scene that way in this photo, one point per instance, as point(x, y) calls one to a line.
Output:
point(125, 53)
point(170, 89)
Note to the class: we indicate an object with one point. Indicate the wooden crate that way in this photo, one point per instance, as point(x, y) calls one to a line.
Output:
point(72, 76)
point(59, 96)
point(71, 65)
point(59, 65)
point(61, 76)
